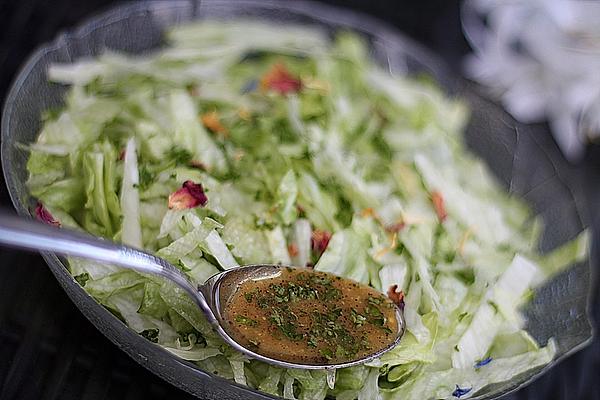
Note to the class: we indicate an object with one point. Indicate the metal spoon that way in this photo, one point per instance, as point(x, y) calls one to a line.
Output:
point(211, 297)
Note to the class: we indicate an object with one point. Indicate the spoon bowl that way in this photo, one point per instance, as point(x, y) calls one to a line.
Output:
point(219, 289)
point(212, 297)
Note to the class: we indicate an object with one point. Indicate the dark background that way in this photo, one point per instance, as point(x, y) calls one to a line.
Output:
point(48, 350)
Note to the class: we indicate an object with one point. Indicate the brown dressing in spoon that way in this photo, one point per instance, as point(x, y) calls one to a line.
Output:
point(309, 317)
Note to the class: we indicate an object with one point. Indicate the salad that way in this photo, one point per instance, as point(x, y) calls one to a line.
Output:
point(243, 143)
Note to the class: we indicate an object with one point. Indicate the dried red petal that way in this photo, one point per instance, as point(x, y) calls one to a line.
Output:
point(279, 79)
point(44, 215)
point(396, 297)
point(320, 241)
point(189, 196)
point(438, 203)
point(293, 249)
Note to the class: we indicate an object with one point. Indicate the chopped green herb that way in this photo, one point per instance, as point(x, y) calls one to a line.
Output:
point(147, 178)
point(150, 334)
point(240, 319)
point(493, 305)
point(179, 156)
point(249, 296)
point(82, 278)
point(357, 319)
point(326, 353)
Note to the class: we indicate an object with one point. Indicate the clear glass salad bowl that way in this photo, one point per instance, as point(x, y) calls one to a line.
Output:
point(521, 161)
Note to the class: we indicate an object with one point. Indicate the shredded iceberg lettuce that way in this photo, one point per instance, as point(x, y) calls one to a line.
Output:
point(243, 143)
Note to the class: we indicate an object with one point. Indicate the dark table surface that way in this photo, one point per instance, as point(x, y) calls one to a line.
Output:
point(48, 350)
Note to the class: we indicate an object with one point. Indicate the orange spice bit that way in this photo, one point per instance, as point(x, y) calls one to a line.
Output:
point(396, 296)
point(212, 122)
point(293, 250)
point(369, 212)
point(438, 203)
point(244, 114)
point(279, 79)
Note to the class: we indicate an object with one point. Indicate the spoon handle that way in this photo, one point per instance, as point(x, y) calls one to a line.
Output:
point(28, 234)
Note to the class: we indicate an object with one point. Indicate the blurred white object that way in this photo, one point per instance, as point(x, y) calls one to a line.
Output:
point(543, 58)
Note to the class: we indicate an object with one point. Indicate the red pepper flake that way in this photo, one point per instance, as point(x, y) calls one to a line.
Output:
point(438, 203)
point(301, 211)
point(319, 241)
point(198, 165)
point(122, 155)
point(279, 79)
point(293, 249)
point(189, 196)
point(212, 122)
point(396, 296)
point(396, 227)
point(44, 215)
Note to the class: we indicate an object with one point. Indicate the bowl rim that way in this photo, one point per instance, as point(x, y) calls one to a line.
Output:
point(337, 16)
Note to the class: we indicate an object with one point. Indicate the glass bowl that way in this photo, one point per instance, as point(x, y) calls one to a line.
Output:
point(521, 161)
